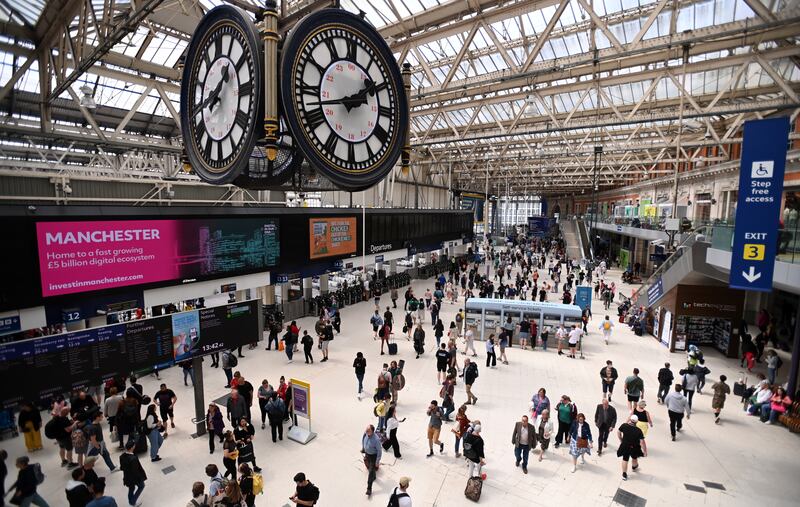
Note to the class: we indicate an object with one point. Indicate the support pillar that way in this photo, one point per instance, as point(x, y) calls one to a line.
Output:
point(323, 284)
point(284, 288)
point(393, 266)
point(199, 397)
point(307, 289)
point(268, 295)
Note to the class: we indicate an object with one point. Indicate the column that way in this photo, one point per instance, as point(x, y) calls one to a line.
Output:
point(268, 295)
point(323, 284)
point(393, 266)
point(307, 289)
point(284, 291)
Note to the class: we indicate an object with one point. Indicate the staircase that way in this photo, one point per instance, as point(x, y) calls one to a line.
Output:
point(570, 233)
point(689, 259)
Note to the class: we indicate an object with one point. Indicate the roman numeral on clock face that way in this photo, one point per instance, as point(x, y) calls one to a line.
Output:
point(314, 118)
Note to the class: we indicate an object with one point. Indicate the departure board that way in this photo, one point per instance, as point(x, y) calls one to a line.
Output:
point(39, 368)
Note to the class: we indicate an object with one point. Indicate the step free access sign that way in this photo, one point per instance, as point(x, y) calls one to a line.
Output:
point(755, 238)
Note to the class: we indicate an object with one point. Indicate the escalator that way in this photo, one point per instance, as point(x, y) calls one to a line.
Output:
point(569, 232)
point(585, 240)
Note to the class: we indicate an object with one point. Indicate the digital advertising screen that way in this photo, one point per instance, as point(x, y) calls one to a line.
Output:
point(332, 236)
point(185, 334)
point(94, 255)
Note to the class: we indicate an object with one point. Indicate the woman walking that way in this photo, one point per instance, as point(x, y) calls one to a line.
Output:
point(246, 485)
point(215, 424)
point(229, 455)
point(438, 332)
point(504, 336)
point(644, 421)
point(544, 430)
point(580, 440)
point(721, 390)
point(566, 413)
point(392, 423)
point(491, 357)
point(460, 430)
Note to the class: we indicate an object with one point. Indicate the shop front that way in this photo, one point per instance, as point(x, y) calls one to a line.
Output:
point(701, 315)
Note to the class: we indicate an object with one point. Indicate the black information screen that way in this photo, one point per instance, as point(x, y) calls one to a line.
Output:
point(39, 368)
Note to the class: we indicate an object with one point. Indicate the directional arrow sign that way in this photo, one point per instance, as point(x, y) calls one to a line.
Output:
point(752, 276)
point(755, 238)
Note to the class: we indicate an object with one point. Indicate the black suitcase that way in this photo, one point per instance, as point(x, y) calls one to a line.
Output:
point(392, 349)
point(141, 444)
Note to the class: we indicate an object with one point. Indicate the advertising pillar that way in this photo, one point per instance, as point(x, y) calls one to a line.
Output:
point(301, 399)
point(323, 284)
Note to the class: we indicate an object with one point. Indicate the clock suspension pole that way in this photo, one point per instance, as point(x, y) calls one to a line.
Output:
point(405, 159)
point(269, 34)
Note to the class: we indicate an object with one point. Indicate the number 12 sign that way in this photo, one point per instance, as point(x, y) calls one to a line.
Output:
point(756, 236)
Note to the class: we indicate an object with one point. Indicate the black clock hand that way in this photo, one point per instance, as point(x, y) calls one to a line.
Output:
point(213, 97)
point(351, 101)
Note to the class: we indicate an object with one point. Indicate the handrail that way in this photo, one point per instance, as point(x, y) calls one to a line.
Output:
point(688, 242)
point(580, 239)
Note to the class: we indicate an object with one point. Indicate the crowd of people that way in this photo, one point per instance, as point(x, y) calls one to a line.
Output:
point(139, 424)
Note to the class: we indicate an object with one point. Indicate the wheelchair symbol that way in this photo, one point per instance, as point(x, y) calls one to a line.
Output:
point(762, 169)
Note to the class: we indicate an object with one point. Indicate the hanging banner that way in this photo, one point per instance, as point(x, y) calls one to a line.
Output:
point(475, 203)
point(755, 237)
point(538, 227)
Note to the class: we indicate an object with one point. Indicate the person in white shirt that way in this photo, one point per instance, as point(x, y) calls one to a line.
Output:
point(677, 405)
point(400, 496)
point(561, 335)
point(469, 338)
point(606, 326)
point(574, 338)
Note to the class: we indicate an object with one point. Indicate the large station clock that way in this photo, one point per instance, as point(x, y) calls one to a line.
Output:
point(343, 98)
point(221, 106)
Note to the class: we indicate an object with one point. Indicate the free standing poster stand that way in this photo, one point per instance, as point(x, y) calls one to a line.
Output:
point(301, 397)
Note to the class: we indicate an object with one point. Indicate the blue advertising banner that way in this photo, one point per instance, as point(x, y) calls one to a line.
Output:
point(655, 291)
point(10, 324)
point(538, 227)
point(473, 202)
point(755, 238)
point(583, 297)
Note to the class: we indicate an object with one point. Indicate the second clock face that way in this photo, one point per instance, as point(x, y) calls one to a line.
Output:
point(343, 98)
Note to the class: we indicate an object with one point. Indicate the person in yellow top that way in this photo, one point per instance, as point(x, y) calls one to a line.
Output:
point(606, 326)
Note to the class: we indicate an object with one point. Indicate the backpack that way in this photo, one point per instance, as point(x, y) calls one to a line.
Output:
point(394, 500)
point(204, 504)
point(233, 361)
point(607, 325)
point(78, 439)
point(51, 431)
point(258, 484)
point(382, 332)
point(779, 363)
point(469, 451)
point(37, 473)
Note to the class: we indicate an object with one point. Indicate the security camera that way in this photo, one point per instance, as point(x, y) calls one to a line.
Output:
point(67, 188)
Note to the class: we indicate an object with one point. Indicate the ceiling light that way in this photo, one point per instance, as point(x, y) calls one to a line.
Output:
point(87, 100)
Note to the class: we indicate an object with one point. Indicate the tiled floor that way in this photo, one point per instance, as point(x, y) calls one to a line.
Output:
point(751, 461)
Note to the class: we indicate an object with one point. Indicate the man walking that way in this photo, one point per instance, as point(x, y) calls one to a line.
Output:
point(133, 475)
point(229, 362)
point(96, 443)
point(630, 446)
point(470, 374)
point(665, 379)
point(400, 496)
point(524, 439)
point(609, 376)
point(434, 427)
point(166, 399)
point(677, 406)
point(634, 388)
point(371, 447)
point(605, 418)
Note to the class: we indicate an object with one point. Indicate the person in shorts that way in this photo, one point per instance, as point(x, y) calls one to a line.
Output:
point(524, 333)
point(434, 427)
point(634, 389)
point(630, 446)
point(166, 399)
point(64, 438)
point(442, 361)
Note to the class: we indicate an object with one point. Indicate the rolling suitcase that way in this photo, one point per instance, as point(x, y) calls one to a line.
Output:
point(392, 349)
point(474, 487)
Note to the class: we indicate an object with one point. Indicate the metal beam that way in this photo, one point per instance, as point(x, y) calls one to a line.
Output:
point(543, 37)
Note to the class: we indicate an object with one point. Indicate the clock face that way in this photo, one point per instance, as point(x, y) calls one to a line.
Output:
point(343, 97)
point(221, 108)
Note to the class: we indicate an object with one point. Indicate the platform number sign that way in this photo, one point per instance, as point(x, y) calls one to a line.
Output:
point(756, 236)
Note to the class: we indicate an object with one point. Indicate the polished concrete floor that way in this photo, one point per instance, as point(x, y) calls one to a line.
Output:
point(740, 462)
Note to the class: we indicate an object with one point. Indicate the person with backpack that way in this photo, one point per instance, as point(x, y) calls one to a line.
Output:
point(473, 451)
point(400, 496)
point(59, 428)
point(308, 344)
point(275, 410)
point(606, 326)
point(327, 338)
point(152, 428)
point(199, 498)
point(216, 483)
point(377, 323)
point(306, 493)
point(246, 485)
point(229, 362)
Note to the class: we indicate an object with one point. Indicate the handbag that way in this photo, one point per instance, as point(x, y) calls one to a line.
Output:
point(583, 443)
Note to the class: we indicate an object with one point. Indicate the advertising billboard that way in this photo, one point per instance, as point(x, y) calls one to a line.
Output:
point(332, 236)
point(94, 255)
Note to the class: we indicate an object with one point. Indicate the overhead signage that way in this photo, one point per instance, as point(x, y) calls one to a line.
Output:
point(45, 366)
point(538, 227)
point(655, 291)
point(86, 256)
point(378, 259)
point(474, 203)
point(332, 236)
point(10, 325)
point(583, 297)
point(385, 247)
point(286, 277)
point(755, 237)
